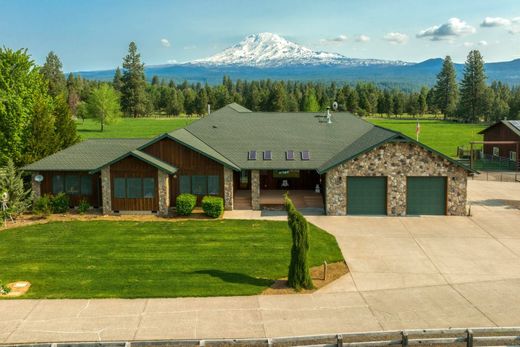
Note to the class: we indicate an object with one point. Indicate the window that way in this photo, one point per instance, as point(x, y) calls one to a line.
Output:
point(512, 155)
point(199, 185)
point(58, 184)
point(185, 184)
point(251, 155)
point(306, 155)
point(86, 185)
point(213, 185)
point(119, 188)
point(496, 151)
point(134, 188)
point(289, 155)
point(72, 184)
point(148, 188)
point(268, 155)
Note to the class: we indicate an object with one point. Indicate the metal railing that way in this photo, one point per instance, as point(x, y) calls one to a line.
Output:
point(502, 336)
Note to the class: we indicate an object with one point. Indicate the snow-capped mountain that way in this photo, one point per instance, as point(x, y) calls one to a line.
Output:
point(271, 50)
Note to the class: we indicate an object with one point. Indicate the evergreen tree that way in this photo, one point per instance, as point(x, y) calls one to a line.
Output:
point(155, 80)
point(73, 98)
point(310, 102)
point(11, 182)
point(64, 126)
point(52, 72)
point(201, 103)
point(41, 139)
point(445, 90)
point(472, 103)
point(117, 82)
point(133, 97)
point(299, 276)
point(422, 104)
point(278, 98)
point(103, 105)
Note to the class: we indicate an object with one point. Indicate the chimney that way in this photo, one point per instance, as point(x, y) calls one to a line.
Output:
point(329, 119)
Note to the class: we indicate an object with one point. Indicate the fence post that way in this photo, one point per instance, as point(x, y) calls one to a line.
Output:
point(404, 336)
point(469, 338)
point(339, 339)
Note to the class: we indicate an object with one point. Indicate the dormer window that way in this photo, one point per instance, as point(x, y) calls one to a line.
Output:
point(268, 155)
point(251, 155)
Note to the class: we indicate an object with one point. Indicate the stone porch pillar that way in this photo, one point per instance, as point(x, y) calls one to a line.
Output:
point(36, 187)
point(106, 190)
point(228, 189)
point(335, 193)
point(255, 189)
point(163, 185)
point(396, 195)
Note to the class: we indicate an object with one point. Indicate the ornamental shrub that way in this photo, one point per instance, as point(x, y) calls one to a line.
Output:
point(213, 206)
point(185, 203)
point(83, 206)
point(42, 206)
point(60, 203)
point(299, 275)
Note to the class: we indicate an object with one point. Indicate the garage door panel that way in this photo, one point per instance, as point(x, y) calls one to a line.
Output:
point(366, 195)
point(426, 195)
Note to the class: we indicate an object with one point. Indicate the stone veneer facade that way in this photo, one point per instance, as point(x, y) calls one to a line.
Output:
point(255, 189)
point(36, 187)
point(163, 186)
point(228, 189)
point(106, 190)
point(396, 160)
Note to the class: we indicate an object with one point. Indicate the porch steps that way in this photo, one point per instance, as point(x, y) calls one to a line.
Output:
point(242, 202)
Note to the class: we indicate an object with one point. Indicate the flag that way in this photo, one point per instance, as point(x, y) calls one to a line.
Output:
point(417, 130)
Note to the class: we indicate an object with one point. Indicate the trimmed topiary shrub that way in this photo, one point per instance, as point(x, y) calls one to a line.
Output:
point(60, 203)
point(185, 203)
point(299, 275)
point(213, 206)
point(42, 206)
point(83, 206)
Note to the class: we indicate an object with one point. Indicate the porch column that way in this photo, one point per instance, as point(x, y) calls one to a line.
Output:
point(106, 190)
point(36, 187)
point(255, 189)
point(335, 193)
point(228, 189)
point(163, 186)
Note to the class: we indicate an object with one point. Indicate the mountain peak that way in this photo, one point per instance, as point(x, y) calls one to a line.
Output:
point(272, 50)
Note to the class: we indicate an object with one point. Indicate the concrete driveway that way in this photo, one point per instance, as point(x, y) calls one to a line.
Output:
point(416, 272)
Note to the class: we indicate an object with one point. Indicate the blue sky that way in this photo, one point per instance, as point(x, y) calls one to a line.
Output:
point(94, 34)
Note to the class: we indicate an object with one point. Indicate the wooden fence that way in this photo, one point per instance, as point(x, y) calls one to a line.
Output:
point(503, 336)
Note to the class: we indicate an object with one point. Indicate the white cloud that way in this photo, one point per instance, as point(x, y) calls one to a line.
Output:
point(396, 38)
point(362, 38)
point(490, 22)
point(483, 43)
point(453, 28)
point(468, 44)
point(172, 61)
point(165, 42)
point(335, 40)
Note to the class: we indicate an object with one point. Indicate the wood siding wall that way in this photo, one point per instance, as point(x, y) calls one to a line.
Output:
point(188, 161)
point(94, 199)
point(132, 167)
point(501, 132)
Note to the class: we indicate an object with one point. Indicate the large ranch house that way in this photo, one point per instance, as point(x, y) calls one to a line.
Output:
point(336, 163)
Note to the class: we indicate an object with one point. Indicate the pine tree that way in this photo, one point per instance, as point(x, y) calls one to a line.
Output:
point(11, 182)
point(278, 98)
point(472, 103)
point(52, 72)
point(117, 82)
point(64, 126)
point(299, 276)
point(445, 90)
point(133, 96)
point(310, 102)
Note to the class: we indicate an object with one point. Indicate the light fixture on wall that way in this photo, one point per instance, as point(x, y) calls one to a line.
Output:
point(38, 178)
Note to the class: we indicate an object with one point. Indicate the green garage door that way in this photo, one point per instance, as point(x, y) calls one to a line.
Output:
point(426, 195)
point(366, 195)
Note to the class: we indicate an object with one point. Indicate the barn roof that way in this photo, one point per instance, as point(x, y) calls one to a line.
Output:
point(514, 125)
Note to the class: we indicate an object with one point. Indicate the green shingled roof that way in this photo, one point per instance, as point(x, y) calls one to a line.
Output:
point(88, 155)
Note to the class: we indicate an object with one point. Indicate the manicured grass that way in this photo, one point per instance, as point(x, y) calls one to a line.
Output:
point(440, 135)
point(101, 259)
point(131, 127)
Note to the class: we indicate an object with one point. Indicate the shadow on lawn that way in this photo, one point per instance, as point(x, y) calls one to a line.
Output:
point(234, 277)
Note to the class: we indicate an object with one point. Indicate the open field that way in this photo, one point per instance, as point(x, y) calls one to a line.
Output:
point(132, 127)
point(107, 259)
point(440, 135)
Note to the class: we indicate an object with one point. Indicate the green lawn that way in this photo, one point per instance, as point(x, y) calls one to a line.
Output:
point(440, 135)
point(131, 127)
point(102, 259)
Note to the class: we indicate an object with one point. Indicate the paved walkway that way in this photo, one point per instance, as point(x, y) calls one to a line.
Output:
point(416, 272)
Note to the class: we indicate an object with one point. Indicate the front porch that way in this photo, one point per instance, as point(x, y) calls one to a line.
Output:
point(274, 199)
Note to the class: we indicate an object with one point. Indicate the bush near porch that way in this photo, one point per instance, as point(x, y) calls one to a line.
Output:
point(108, 259)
